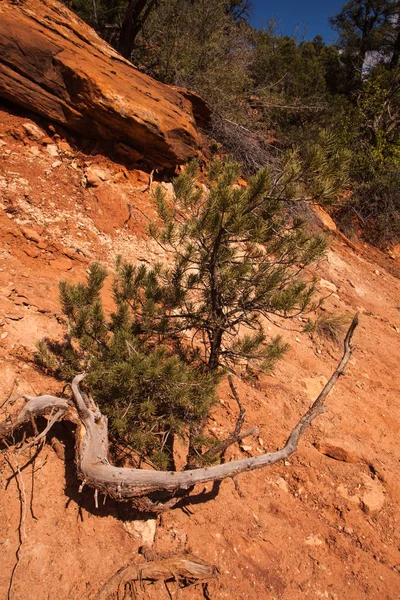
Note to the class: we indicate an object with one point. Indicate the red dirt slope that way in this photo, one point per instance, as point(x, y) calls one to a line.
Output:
point(322, 525)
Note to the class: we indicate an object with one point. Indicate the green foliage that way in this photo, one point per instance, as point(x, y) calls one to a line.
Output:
point(374, 208)
point(271, 93)
point(198, 45)
point(371, 132)
point(329, 327)
point(236, 260)
point(326, 165)
point(148, 394)
point(364, 26)
point(280, 65)
point(98, 13)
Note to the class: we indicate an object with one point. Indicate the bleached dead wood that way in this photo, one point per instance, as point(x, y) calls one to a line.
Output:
point(188, 568)
point(121, 483)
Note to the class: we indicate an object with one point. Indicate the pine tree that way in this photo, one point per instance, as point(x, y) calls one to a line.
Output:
point(148, 394)
point(234, 260)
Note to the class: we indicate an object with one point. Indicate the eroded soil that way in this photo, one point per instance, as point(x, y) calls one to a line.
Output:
point(314, 527)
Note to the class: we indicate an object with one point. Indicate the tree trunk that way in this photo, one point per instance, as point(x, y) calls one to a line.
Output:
point(92, 463)
point(215, 350)
point(395, 60)
point(136, 15)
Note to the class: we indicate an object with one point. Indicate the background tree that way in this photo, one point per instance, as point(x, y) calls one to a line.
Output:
point(394, 46)
point(371, 132)
point(363, 27)
point(136, 15)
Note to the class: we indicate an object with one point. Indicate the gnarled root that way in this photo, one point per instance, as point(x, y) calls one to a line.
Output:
point(189, 569)
point(95, 471)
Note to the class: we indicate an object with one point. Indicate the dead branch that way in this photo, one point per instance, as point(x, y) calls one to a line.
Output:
point(189, 568)
point(125, 483)
point(8, 397)
point(237, 435)
point(41, 435)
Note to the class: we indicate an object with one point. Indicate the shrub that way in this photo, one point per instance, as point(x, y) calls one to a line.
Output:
point(234, 261)
point(148, 393)
point(375, 209)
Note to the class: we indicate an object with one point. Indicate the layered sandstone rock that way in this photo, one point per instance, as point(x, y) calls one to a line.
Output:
point(54, 65)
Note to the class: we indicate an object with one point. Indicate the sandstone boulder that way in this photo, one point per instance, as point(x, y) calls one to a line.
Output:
point(54, 65)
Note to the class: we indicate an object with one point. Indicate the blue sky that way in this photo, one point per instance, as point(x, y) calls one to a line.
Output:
point(311, 16)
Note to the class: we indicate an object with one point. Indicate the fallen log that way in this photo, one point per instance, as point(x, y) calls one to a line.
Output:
point(95, 471)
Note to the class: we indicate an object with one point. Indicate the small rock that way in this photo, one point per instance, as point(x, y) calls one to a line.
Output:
point(373, 499)
point(52, 150)
point(314, 385)
point(33, 131)
point(64, 147)
point(357, 289)
point(169, 190)
point(246, 448)
point(394, 252)
point(56, 164)
point(61, 264)
point(13, 316)
point(348, 530)
point(337, 451)
point(4, 335)
point(32, 251)
point(298, 340)
point(144, 530)
point(34, 150)
point(96, 176)
point(3, 143)
point(328, 285)
point(282, 485)
point(31, 234)
point(313, 540)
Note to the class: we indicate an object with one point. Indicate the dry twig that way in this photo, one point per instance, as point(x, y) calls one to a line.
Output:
point(22, 535)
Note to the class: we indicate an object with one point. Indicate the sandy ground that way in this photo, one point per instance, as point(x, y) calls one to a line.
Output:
point(314, 527)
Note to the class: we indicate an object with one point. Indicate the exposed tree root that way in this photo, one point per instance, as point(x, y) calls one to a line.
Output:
point(95, 471)
point(189, 569)
point(22, 535)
